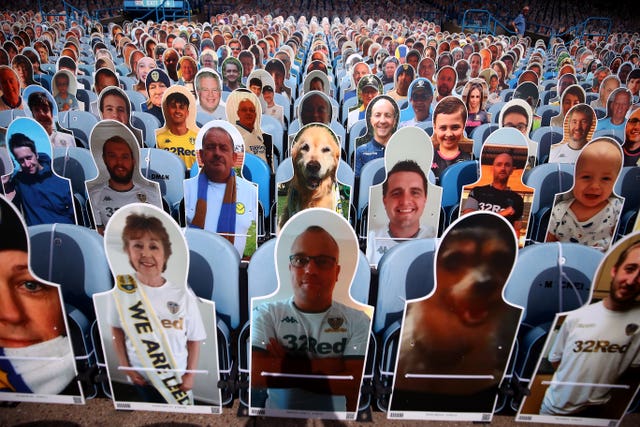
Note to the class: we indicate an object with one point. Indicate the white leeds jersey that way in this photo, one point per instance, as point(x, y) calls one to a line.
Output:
point(105, 201)
point(595, 346)
point(177, 310)
point(340, 331)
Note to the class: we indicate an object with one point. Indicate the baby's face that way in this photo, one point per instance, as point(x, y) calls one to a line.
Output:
point(596, 173)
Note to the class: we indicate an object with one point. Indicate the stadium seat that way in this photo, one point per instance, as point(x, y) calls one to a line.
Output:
point(547, 179)
point(148, 124)
point(452, 180)
point(372, 173)
point(494, 111)
point(548, 278)
point(546, 112)
point(214, 276)
point(627, 187)
point(80, 122)
point(7, 116)
point(405, 272)
point(136, 99)
point(74, 257)
point(86, 96)
point(480, 135)
point(78, 165)
point(546, 136)
point(257, 171)
point(168, 170)
point(273, 127)
point(358, 129)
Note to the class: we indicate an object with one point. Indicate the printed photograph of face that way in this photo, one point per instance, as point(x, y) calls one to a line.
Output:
point(64, 87)
point(152, 321)
point(119, 182)
point(219, 145)
point(315, 107)
point(317, 80)
point(500, 188)
point(589, 212)
point(244, 111)
point(314, 360)
point(586, 373)
point(455, 342)
point(38, 362)
point(51, 200)
point(41, 105)
point(406, 205)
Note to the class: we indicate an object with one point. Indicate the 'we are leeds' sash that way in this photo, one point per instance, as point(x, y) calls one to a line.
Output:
point(147, 336)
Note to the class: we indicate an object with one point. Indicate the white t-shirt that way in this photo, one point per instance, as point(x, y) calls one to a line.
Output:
point(339, 332)
point(380, 241)
point(595, 345)
point(562, 153)
point(105, 200)
point(180, 324)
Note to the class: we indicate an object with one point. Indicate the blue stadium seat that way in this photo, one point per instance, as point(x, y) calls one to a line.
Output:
point(627, 187)
point(168, 170)
point(494, 111)
point(86, 96)
point(73, 257)
point(547, 179)
point(452, 180)
point(546, 112)
point(546, 136)
point(257, 171)
point(77, 164)
point(214, 275)
point(548, 278)
point(148, 123)
point(273, 127)
point(7, 116)
point(80, 122)
point(372, 173)
point(480, 135)
point(358, 129)
point(136, 99)
point(405, 272)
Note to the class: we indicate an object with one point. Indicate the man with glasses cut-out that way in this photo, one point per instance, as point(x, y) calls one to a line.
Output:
point(309, 334)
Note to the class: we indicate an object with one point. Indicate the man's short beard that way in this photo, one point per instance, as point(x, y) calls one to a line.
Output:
point(121, 180)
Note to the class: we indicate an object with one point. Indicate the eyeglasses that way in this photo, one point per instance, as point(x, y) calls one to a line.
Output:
point(323, 262)
point(520, 126)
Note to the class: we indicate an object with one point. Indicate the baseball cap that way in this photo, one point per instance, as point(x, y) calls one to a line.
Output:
point(157, 75)
point(421, 86)
point(369, 81)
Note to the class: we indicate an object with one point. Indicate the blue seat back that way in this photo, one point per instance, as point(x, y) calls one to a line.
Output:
point(74, 257)
point(404, 272)
point(168, 170)
point(550, 278)
point(214, 273)
point(257, 171)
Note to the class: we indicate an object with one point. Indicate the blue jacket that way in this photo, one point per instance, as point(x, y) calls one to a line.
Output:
point(45, 197)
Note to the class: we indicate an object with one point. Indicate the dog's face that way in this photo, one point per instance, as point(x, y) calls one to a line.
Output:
point(315, 156)
point(472, 267)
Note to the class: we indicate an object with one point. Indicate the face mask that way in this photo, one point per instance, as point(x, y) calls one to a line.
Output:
point(47, 367)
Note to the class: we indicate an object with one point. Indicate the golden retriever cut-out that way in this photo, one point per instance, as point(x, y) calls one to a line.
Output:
point(458, 341)
point(315, 155)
